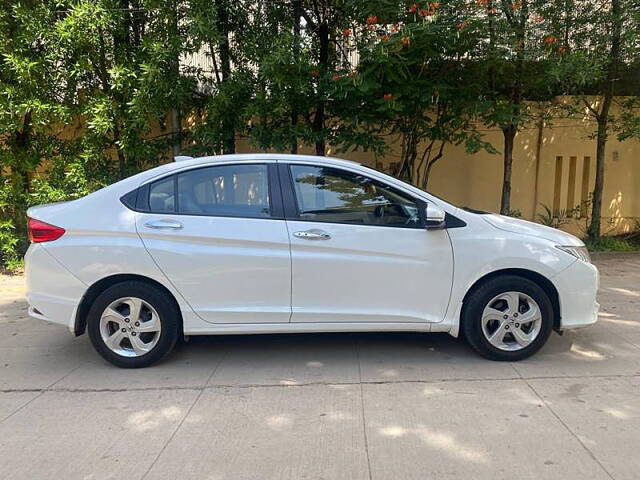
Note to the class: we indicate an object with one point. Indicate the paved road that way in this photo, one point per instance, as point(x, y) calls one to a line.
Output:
point(339, 406)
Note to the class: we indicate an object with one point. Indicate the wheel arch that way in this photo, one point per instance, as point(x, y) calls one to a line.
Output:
point(539, 279)
point(80, 321)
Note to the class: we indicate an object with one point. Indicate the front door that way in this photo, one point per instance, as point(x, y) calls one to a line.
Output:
point(218, 236)
point(360, 252)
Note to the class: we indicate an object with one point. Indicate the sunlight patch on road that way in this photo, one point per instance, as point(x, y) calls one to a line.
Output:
point(616, 413)
point(145, 420)
point(624, 291)
point(288, 382)
point(586, 353)
point(279, 422)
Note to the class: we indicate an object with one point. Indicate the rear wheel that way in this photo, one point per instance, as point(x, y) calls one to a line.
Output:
point(507, 318)
point(133, 324)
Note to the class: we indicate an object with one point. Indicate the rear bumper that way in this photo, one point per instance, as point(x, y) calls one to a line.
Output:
point(53, 293)
point(577, 287)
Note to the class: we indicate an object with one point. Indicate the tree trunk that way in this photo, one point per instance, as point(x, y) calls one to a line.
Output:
point(509, 133)
point(228, 124)
point(318, 121)
point(176, 115)
point(430, 164)
point(297, 13)
point(22, 180)
point(596, 207)
point(406, 169)
point(603, 118)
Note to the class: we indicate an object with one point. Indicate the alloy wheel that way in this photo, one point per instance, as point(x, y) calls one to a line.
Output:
point(130, 327)
point(511, 321)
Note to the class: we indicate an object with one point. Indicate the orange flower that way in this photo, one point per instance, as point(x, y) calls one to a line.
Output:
point(406, 41)
point(426, 13)
point(516, 5)
point(384, 38)
point(346, 32)
point(562, 50)
point(538, 19)
point(482, 3)
point(461, 25)
point(372, 20)
point(492, 11)
point(387, 97)
point(314, 73)
point(413, 8)
point(550, 40)
point(395, 28)
point(434, 5)
point(336, 77)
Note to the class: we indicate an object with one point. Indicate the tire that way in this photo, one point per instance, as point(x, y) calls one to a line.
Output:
point(141, 343)
point(483, 318)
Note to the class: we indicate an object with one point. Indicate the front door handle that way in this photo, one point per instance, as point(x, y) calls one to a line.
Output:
point(164, 224)
point(312, 235)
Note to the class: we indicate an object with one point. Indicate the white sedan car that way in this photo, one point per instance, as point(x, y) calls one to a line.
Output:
point(268, 243)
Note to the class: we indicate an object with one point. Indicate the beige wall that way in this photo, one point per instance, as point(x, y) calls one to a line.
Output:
point(476, 180)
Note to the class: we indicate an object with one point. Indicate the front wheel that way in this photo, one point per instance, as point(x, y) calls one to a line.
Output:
point(133, 324)
point(507, 318)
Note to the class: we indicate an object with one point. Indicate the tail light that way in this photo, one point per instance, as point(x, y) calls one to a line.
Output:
point(43, 232)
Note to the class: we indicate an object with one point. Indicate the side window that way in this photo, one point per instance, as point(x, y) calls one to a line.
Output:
point(226, 190)
point(331, 195)
point(162, 196)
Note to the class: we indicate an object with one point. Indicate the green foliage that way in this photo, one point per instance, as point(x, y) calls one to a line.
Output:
point(611, 244)
point(9, 253)
point(558, 218)
point(92, 91)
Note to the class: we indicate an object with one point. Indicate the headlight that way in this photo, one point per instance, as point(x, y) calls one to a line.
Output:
point(581, 253)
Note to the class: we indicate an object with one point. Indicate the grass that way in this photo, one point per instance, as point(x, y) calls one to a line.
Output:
point(614, 244)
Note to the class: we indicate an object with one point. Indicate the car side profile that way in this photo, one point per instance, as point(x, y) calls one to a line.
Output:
point(268, 243)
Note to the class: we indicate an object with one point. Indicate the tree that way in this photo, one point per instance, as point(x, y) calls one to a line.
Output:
point(515, 63)
point(298, 99)
point(124, 66)
point(30, 109)
point(416, 80)
point(106, 69)
point(602, 44)
point(222, 32)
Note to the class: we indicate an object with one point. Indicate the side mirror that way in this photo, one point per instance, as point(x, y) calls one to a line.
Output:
point(434, 217)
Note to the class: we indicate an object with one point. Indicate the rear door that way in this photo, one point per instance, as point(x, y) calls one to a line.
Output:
point(218, 234)
point(359, 250)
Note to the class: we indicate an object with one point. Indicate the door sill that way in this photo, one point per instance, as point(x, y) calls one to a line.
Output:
point(307, 327)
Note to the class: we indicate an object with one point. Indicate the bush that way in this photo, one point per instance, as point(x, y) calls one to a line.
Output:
point(612, 244)
point(66, 178)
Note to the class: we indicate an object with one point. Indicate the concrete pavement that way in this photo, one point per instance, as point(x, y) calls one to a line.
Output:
point(334, 406)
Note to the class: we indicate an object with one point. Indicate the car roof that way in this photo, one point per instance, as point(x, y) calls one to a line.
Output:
point(183, 163)
point(288, 157)
point(135, 181)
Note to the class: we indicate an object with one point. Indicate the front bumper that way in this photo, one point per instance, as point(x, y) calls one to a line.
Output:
point(577, 287)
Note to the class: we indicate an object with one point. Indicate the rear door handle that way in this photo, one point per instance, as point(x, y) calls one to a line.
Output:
point(312, 235)
point(164, 224)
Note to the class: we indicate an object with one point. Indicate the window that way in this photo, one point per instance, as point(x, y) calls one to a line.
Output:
point(331, 195)
point(162, 196)
point(226, 190)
